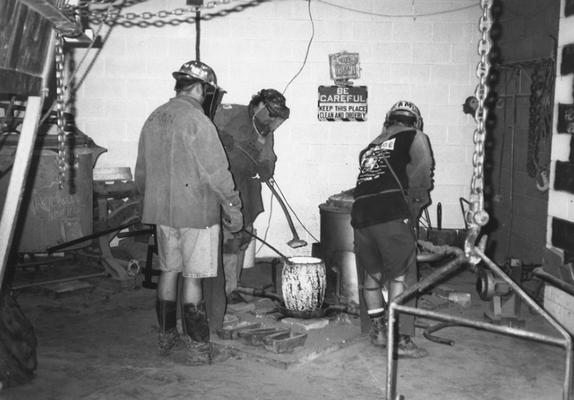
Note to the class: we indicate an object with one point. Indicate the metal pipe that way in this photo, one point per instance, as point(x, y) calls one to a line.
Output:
point(268, 245)
point(47, 260)
point(438, 275)
point(507, 330)
point(518, 290)
point(89, 237)
point(394, 306)
point(96, 275)
point(545, 276)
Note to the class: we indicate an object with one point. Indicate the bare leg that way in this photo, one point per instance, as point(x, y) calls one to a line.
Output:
point(191, 291)
point(167, 286)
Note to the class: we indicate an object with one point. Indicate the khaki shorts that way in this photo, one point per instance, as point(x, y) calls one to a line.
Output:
point(193, 252)
point(388, 248)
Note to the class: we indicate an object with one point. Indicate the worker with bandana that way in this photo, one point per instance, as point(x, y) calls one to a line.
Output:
point(247, 134)
point(395, 177)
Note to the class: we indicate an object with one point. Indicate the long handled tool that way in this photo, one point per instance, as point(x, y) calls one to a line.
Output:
point(283, 256)
point(295, 242)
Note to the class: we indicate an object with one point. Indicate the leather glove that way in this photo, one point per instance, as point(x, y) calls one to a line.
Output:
point(232, 217)
point(265, 170)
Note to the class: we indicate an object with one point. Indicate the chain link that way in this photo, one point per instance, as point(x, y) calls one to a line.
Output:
point(111, 13)
point(61, 159)
point(476, 217)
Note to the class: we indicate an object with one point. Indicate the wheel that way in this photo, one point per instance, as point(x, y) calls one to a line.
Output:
point(17, 344)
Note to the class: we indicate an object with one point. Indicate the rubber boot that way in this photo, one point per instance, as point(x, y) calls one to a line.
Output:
point(196, 334)
point(167, 318)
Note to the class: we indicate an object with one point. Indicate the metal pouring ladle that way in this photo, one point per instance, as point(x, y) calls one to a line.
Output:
point(296, 241)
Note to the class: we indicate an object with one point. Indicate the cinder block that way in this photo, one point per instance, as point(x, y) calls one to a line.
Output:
point(364, 30)
point(450, 74)
point(412, 31)
point(432, 53)
point(402, 51)
point(560, 305)
point(410, 73)
point(453, 33)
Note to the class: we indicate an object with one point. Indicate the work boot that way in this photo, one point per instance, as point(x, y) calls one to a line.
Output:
point(378, 331)
point(406, 348)
point(168, 337)
point(196, 334)
point(197, 353)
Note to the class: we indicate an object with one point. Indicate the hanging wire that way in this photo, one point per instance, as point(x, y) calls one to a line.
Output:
point(412, 15)
point(308, 46)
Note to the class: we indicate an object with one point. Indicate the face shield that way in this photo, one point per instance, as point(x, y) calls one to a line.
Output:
point(266, 121)
point(212, 99)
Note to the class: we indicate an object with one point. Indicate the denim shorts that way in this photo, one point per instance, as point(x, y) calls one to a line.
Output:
point(388, 248)
point(193, 252)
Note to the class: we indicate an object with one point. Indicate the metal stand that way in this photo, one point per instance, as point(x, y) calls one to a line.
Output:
point(460, 259)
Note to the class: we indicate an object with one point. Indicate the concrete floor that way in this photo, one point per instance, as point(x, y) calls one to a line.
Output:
point(101, 344)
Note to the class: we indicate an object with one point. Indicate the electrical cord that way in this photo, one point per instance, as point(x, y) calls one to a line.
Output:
point(308, 47)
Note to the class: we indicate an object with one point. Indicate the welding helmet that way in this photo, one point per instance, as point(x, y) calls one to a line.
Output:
point(271, 114)
point(194, 71)
point(406, 113)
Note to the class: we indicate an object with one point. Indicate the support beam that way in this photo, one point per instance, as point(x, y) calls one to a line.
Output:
point(17, 183)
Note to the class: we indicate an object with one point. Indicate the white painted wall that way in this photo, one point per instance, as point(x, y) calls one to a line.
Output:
point(560, 203)
point(405, 53)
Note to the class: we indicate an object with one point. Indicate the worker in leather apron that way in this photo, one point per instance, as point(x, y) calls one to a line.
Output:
point(247, 135)
point(188, 194)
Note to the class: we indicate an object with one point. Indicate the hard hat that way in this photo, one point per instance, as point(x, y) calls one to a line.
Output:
point(406, 109)
point(196, 70)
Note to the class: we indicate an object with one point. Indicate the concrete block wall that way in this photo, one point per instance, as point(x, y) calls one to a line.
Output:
point(561, 203)
point(424, 51)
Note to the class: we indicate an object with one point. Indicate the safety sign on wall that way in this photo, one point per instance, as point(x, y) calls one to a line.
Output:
point(342, 103)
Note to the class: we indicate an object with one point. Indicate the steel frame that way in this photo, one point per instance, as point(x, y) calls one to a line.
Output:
point(453, 265)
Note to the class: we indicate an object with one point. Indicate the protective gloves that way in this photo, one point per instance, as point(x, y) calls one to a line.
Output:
point(265, 170)
point(232, 217)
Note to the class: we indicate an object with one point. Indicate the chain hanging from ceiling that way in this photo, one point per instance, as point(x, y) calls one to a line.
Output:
point(109, 12)
point(476, 217)
point(60, 91)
